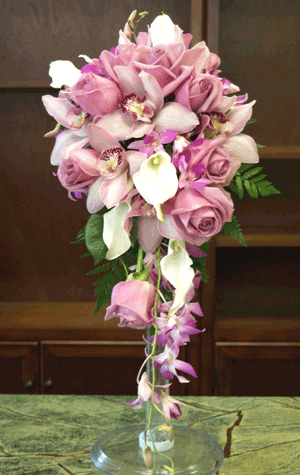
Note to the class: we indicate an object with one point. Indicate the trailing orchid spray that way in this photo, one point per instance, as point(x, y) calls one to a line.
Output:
point(151, 135)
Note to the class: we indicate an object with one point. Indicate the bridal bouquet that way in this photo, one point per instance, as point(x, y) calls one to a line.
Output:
point(151, 136)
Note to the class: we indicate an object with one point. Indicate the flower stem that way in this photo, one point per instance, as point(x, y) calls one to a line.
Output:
point(139, 263)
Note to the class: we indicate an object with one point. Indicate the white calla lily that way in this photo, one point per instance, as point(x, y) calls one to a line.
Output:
point(114, 235)
point(157, 181)
point(164, 31)
point(63, 73)
point(176, 268)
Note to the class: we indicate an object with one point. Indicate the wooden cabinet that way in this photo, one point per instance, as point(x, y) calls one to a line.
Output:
point(71, 351)
point(19, 368)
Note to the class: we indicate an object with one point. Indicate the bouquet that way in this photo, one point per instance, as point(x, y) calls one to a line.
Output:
point(151, 136)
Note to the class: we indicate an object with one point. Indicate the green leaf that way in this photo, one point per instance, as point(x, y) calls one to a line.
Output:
point(87, 254)
point(239, 185)
point(93, 238)
point(258, 178)
point(251, 173)
point(233, 187)
point(79, 241)
point(251, 121)
point(252, 190)
point(244, 167)
point(260, 146)
point(266, 188)
point(134, 230)
point(233, 228)
point(81, 233)
point(104, 268)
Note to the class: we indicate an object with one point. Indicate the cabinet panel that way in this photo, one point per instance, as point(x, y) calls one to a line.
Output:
point(19, 368)
point(257, 369)
point(93, 367)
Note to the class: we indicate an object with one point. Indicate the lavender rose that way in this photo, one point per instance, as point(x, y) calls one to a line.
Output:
point(96, 95)
point(72, 177)
point(200, 214)
point(203, 93)
point(211, 155)
point(132, 302)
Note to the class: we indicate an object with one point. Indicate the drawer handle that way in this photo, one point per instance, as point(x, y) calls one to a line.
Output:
point(48, 384)
point(28, 385)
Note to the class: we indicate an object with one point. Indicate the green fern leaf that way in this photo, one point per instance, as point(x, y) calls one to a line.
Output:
point(239, 185)
point(266, 188)
point(257, 178)
point(104, 268)
point(251, 121)
point(251, 173)
point(233, 228)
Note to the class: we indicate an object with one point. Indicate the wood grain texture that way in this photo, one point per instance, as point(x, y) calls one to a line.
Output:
point(50, 435)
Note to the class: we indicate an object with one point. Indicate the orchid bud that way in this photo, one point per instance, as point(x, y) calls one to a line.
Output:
point(167, 428)
point(147, 456)
point(127, 31)
point(53, 132)
point(169, 469)
point(143, 14)
point(132, 16)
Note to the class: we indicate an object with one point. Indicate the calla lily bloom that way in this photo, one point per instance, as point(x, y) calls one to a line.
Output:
point(115, 237)
point(176, 268)
point(157, 180)
point(63, 73)
point(164, 31)
point(143, 109)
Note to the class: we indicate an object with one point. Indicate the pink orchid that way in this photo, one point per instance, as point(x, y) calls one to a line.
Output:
point(111, 163)
point(143, 109)
point(144, 393)
point(169, 364)
point(170, 406)
point(153, 142)
point(69, 115)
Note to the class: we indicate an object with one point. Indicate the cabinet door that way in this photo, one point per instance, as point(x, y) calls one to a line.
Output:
point(257, 369)
point(19, 367)
point(93, 367)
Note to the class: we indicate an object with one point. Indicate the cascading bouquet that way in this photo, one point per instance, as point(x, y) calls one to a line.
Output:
point(152, 137)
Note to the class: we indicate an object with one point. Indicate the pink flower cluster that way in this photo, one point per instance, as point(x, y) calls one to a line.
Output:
point(172, 98)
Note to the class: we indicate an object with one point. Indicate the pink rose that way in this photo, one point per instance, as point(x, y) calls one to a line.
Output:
point(132, 302)
point(96, 95)
point(204, 93)
point(200, 214)
point(211, 156)
point(72, 177)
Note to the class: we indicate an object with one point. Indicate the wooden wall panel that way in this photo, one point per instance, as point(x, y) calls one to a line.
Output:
point(38, 32)
point(259, 50)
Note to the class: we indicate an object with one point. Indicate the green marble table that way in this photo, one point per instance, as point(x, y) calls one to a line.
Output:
point(53, 435)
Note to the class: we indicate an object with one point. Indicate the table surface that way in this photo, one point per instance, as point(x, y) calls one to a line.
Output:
point(53, 435)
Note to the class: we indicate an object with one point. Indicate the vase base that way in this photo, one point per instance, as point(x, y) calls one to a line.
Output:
point(193, 453)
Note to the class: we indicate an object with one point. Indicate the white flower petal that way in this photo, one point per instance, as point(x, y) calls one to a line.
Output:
point(241, 148)
point(63, 73)
point(115, 237)
point(163, 31)
point(176, 268)
point(63, 140)
point(175, 116)
point(157, 179)
point(94, 202)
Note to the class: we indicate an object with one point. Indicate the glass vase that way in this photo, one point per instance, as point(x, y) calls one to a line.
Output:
point(121, 451)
